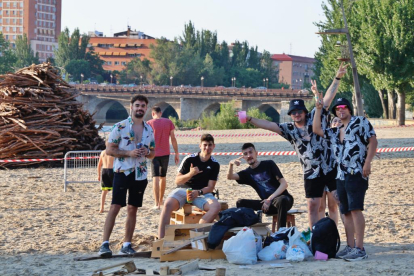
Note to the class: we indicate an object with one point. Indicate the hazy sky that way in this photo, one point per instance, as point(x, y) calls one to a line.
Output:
point(278, 26)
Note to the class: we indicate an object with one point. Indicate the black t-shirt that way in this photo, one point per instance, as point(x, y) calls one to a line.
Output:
point(210, 168)
point(262, 178)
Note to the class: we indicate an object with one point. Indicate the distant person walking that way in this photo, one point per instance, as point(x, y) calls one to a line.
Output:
point(163, 130)
point(105, 175)
point(131, 141)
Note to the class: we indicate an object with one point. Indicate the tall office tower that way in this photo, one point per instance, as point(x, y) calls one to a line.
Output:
point(40, 20)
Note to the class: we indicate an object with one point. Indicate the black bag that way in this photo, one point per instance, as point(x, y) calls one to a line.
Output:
point(325, 237)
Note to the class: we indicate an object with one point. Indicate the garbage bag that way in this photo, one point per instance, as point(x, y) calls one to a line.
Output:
point(275, 251)
point(241, 249)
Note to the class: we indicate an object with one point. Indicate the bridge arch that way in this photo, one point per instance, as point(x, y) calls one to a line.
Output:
point(213, 109)
point(111, 111)
point(270, 111)
point(166, 109)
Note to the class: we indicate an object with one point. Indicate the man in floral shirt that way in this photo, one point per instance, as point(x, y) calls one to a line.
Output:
point(354, 145)
point(131, 142)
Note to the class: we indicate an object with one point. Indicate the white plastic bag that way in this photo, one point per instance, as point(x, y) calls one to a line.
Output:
point(297, 239)
point(241, 249)
point(295, 254)
point(259, 244)
point(275, 251)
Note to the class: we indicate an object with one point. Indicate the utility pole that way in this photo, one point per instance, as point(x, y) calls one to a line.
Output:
point(358, 97)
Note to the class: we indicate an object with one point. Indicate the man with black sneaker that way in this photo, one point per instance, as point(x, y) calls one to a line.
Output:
point(131, 142)
point(268, 182)
point(354, 144)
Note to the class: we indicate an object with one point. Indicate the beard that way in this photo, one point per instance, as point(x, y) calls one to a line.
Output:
point(138, 115)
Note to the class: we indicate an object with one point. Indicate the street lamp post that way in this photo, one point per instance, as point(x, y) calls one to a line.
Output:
point(202, 79)
point(111, 78)
point(141, 80)
point(267, 82)
point(233, 82)
point(264, 82)
point(82, 78)
point(359, 103)
point(171, 78)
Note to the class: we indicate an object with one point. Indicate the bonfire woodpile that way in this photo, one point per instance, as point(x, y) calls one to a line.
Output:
point(41, 118)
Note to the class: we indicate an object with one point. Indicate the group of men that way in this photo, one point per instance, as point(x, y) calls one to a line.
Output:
point(337, 159)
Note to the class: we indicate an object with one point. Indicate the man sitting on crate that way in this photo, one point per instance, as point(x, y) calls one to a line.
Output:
point(198, 171)
point(266, 178)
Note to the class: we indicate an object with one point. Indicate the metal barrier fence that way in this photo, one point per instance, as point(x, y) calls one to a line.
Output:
point(81, 167)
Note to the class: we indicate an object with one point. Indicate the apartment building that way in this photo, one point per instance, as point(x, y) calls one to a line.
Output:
point(294, 70)
point(120, 49)
point(40, 20)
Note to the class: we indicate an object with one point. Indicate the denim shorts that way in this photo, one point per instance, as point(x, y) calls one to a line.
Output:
point(180, 194)
point(351, 192)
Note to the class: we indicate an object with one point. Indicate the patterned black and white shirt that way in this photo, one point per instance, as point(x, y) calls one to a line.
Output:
point(350, 154)
point(311, 149)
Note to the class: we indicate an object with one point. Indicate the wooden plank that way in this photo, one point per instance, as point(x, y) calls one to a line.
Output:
point(185, 268)
point(190, 254)
point(143, 254)
point(121, 267)
point(188, 242)
point(157, 247)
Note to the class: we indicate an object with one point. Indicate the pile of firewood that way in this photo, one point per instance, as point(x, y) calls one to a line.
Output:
point(41, 118)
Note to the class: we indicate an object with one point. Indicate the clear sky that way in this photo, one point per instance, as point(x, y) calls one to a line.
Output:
point(278, 26)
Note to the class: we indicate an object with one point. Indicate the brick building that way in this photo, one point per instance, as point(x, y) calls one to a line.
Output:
point(120, 49)
point(294, 70)
point(40, 20)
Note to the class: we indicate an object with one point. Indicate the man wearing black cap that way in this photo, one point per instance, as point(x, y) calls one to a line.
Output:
point(313, 151)
point(354, 144)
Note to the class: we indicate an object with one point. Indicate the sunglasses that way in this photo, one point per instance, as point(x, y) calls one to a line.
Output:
point(341, 107)
point(296, 112)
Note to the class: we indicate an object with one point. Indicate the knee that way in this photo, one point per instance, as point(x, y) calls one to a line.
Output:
point(240, 203)
point(132, 210)
point(215, 207)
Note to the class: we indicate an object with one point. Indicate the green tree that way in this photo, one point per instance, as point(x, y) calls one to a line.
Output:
point(385, 47)
point(77, 67)
point(24, 53)
point(7, 56)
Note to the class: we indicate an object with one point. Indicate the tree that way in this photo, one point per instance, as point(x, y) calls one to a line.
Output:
point(385, 49)
point(24, 53)
point(77, 67)
point(75, 47)
point(7, 56)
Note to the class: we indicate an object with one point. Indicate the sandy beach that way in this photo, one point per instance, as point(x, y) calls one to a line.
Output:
point(43, 228)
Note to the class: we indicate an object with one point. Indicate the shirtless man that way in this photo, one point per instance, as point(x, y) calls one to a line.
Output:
point(105, 175)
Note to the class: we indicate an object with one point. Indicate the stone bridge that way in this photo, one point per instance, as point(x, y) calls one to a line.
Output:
point(112, 103)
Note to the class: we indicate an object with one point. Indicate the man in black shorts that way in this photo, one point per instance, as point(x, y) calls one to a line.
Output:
point(313, 151)
point(354, 145)
point(198, 171)
point(163, 131)
point(131, 142)
point(269, 183)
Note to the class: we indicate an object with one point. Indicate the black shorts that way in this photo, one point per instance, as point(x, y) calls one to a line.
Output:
point(315, 187)
point(160, 165)
point(351, 192)
point(107, 178)
point(135, 188)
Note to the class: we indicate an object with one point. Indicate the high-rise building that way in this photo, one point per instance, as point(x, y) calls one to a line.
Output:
point(40, 20)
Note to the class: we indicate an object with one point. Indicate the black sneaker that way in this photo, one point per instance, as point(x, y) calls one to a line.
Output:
point(126, 250)
point(104, 251)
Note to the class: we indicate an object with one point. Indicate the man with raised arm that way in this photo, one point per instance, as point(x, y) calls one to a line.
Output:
point(131, 142)
point(268, 182)
point(198, 171)
point(354, 145)
point(312, 150)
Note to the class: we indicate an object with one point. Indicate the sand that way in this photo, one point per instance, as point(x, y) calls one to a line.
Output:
point(43, 228)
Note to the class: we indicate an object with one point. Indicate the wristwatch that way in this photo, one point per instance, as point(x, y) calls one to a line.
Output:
point(200, 192)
